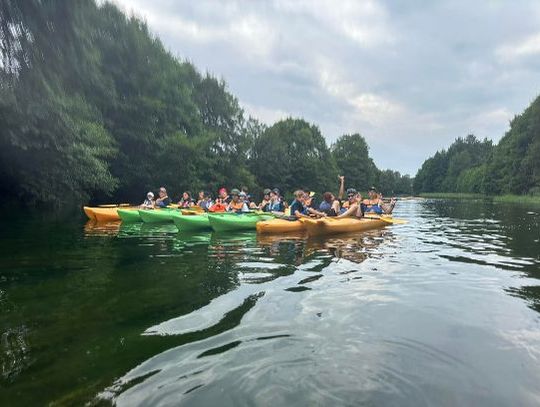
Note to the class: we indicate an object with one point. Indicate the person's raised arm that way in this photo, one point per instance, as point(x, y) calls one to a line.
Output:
point(341, 186)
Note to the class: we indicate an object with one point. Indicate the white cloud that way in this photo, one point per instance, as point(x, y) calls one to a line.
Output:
point(364, 22)
point(399, 73)
point(265, 114)
point(524, 47)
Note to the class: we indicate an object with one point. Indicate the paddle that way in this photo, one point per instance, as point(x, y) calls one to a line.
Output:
point(392, 221)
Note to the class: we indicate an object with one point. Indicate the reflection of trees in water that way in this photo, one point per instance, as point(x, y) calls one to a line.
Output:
point(511, 226)
point(93, 228)
point(353, 247)
point(287, 248)
point(482, 227)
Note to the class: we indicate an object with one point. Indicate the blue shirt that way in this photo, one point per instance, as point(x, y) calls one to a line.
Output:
point(325, 206)
point(275, 206)
point(297, 206)
point(164, 203)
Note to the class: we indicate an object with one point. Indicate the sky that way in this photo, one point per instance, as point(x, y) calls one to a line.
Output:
point(409, 75)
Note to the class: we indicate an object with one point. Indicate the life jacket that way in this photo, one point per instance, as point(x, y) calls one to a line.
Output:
point(218, 207)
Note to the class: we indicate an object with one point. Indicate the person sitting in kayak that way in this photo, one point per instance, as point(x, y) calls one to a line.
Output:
point(206, 202)
point(354, 205)
point(223, 196)
point(264, 205)
point(375, 204)
point(310, 206)
point(186, 201)
point(276, 203)
point(163, 201)
point(249, 202)
point(222, 201)
point(297, 205)
point(330, 205)
point(237, 203)
point(200, 198)
point(372, 204)
point(149, 201)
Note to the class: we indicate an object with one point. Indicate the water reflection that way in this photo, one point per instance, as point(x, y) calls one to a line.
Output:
point(445, 305)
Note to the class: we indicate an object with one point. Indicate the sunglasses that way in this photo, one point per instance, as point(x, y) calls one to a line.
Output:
point(351, 195)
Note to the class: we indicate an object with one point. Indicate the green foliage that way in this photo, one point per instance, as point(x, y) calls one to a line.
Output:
point(458, 169)
point(292, 154)
point(351, 154)
point(515, 167)
point(473, 166)
point(93, 105)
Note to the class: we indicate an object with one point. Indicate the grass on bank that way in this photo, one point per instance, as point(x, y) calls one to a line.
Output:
point(526, 199)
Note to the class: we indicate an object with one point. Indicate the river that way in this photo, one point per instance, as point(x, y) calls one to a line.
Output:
point(444, 310)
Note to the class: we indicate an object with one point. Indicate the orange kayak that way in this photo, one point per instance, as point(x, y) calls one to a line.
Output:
point(89, 211)
point(104, 213)
point(329, 226)
point(280, 226)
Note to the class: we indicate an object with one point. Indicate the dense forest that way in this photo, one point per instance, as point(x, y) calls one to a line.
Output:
point(93, 107)
point(477, 166)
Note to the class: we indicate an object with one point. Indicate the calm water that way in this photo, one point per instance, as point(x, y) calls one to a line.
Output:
point(442, 311)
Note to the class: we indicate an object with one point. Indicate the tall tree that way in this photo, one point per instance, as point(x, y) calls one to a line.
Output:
point(293, 154)
point(351, 154)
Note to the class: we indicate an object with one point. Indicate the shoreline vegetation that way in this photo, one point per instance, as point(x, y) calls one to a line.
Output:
point(108, 119)
point(508, 198)
point(95, 109)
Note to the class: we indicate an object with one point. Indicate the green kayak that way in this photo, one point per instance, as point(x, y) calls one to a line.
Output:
point(158, 215)
point(129, 215)
point(222, 223)
point(192, 222)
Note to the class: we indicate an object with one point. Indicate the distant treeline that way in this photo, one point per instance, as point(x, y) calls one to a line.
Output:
point(474, 166)
point(93, 107)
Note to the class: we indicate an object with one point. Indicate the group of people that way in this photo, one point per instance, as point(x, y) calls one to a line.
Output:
point(303, 204)
point(353, 206)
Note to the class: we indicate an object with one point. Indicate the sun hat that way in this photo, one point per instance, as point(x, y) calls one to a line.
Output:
point(150, 194)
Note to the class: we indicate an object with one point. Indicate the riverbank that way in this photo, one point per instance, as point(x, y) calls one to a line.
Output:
point(527, 199)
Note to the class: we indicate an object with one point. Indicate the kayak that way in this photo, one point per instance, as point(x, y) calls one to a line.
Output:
point(129, 215)
point(221, 223)
point(89, 211)
point(328, 226)
point(105, 214)
point(158, 215)
point(280, 226)
point(192, 222)
point(194, 210)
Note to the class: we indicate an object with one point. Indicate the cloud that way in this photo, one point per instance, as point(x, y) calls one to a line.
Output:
point(529, 46)
point(411, 76)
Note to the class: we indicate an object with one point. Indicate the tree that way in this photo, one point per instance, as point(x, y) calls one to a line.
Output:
point(292, 154)
point(351, 154)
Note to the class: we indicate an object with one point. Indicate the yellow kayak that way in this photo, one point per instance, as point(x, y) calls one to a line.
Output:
point(102, 214)
point(329, 226)
point(89, 211)
point(280, 226)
